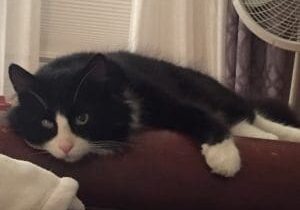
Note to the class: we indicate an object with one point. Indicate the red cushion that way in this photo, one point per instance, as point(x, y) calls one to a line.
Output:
point(165, 170)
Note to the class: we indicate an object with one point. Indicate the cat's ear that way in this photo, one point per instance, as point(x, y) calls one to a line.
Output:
point(21, 79)
point(96, 69)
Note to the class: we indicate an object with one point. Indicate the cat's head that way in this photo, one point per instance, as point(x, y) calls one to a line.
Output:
point(72, 106)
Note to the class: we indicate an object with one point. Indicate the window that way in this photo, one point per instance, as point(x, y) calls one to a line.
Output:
point(36, 31)
point(77, 25)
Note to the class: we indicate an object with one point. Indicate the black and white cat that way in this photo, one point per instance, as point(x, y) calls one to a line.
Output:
point(91, 103)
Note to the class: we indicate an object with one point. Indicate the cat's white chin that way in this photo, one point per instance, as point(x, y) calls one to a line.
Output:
point(69, 157)
point(72, 159)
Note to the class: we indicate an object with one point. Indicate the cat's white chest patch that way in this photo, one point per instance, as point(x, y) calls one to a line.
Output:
point(66, 145)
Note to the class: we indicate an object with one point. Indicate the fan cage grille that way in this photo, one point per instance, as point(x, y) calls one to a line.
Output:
point(279, 17)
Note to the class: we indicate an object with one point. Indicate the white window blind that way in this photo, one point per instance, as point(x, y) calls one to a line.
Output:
point(83, 25)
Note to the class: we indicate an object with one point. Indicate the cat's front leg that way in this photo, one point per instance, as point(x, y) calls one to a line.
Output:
point(217, 144)
point(223, 157)
point(212, 134)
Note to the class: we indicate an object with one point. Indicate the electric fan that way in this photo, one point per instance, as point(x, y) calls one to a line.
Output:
point(278, 23)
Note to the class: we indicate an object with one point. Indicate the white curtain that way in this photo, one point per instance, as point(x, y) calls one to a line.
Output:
point(19, 37)
point(187, 32)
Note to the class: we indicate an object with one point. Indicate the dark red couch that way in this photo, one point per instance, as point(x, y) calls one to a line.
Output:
point(165, 170)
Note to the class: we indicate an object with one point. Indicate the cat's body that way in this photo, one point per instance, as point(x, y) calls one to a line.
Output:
point(93, 102)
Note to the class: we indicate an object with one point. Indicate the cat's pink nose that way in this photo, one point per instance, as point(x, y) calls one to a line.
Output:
point(65, 146)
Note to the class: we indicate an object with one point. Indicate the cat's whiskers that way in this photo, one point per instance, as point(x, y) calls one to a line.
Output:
point(109, 145)
point(38, 153)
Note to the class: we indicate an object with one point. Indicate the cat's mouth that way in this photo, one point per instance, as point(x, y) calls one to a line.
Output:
point(66, 157)
point(33, 145)
point(71, 159)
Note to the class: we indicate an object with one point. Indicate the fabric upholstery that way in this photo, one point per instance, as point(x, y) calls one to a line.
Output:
point(165, 170)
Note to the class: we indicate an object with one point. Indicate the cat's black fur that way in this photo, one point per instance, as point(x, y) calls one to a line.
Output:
point(111, 86)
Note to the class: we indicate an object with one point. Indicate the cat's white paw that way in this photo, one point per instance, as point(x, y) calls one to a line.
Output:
point(223, 158)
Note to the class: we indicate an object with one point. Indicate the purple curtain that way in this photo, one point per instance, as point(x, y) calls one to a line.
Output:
point(255, 69)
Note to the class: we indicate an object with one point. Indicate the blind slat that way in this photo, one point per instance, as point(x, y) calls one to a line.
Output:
point(68, 25)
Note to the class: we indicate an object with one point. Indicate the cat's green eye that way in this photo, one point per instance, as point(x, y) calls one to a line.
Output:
point(47, 124)
point(82, 119)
